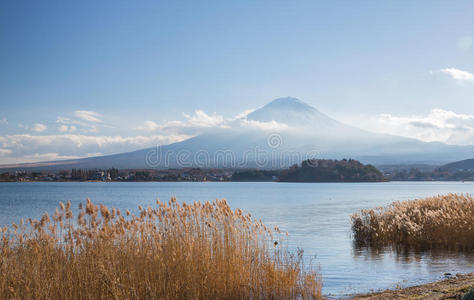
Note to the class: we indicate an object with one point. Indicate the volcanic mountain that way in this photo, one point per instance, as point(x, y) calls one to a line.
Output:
point(281, 133)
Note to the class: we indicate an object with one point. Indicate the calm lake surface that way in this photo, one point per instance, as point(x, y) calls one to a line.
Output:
point(316, 216)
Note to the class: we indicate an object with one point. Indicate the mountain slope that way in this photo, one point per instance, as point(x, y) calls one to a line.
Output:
point(307, 133)
point(467, 164)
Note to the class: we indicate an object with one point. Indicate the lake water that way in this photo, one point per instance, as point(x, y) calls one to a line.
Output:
point(316, 216)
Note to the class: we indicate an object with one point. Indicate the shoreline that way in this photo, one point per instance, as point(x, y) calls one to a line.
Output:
point(240, 181)
point(453, 287)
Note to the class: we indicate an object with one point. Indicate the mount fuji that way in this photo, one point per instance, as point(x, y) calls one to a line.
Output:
point(281, 133)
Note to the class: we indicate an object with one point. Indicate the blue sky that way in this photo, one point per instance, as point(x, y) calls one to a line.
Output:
point(106, 76)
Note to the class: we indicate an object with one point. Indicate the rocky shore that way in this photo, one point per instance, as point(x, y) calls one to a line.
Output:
point(453, 287)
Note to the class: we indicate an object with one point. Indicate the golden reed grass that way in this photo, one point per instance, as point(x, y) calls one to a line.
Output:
point(440, 222)
point(171, 251)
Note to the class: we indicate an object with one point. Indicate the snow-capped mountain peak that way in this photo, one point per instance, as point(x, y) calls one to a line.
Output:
point(293, 112)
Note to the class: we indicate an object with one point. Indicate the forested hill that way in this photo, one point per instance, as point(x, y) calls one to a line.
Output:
point(464, 165)
point(332, 171)
point(316, 171)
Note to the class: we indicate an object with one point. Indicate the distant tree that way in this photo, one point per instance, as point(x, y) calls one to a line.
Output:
point(255, 175)
point(332, 171)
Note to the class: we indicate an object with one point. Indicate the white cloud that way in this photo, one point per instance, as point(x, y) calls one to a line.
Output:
point(201, 119)
point(66, 128)
point(38, 127)
point(4, 152)
point(438, 126)
point(83, 141)
point(73, 124)
point(36, 157)
point(89, 116)
point(32, 148)
point(273, 125)
point(244, 113)
point(149, 126)
point(457, 74)
point(42, 157)
point(3, 121)
point(200, 122)
point(192, 125)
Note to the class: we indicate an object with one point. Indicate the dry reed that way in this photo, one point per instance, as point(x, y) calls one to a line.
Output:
point(171, 251)
point(440, 222)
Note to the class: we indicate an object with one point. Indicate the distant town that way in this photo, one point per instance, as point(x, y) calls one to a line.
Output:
point(188, 174)
point(345, 170)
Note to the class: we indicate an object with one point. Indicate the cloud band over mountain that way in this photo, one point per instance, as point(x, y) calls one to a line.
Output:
point(78, 135)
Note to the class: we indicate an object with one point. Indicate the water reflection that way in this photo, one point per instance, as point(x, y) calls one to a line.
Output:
point(435, 260)
point(406, 255)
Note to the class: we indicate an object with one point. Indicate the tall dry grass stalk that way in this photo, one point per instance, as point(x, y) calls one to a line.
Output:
point(171, 251)
point(440, 222)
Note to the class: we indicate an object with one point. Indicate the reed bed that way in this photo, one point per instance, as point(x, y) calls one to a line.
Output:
point(440, 222)
point(171, 251)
